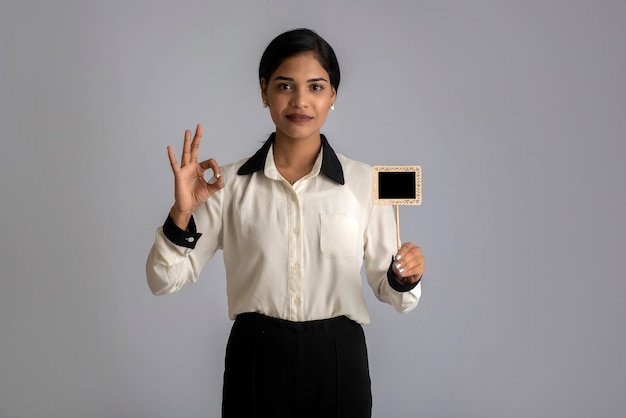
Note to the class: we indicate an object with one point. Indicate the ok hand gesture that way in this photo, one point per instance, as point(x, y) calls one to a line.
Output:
point(190, 187)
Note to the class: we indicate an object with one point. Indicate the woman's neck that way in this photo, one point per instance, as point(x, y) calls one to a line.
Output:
point(296, 153)
point(294, 158)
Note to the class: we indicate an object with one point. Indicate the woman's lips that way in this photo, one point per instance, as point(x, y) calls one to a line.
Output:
point(299, 118)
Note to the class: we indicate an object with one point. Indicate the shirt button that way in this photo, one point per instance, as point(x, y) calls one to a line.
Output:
point(296, 267)
point(296, 301)
point(190, 239)
point(296, 230)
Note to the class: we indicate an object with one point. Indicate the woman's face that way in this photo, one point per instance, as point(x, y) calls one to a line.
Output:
point(299, 96)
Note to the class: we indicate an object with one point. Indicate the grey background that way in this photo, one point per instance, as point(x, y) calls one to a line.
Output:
point(514, 109)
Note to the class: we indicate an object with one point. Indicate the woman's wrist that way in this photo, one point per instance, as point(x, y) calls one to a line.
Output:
point(180, 218)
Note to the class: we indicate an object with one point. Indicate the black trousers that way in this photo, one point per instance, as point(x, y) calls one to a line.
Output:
point(283, 369)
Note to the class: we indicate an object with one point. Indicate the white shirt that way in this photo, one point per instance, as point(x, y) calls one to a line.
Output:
point(290, 252)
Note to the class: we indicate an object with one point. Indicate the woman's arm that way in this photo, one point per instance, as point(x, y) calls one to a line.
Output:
point(382, 274)
point(174, 259)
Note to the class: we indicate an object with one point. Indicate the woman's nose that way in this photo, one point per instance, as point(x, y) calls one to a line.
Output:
point(298, 99)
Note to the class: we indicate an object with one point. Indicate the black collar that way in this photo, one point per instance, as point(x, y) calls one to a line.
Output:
point(330, 163)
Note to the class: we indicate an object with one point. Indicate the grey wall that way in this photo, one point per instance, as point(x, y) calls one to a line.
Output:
point(514, 109)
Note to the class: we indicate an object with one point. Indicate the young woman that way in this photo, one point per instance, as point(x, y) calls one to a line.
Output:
point(295, 223)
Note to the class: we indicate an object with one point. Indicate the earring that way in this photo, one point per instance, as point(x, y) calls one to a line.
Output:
point(264, 104)
point(332, 106)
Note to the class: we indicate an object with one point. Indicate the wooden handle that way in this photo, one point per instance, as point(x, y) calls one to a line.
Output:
point(398, 226)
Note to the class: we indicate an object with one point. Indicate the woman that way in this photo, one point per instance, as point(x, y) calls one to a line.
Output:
point(295, 223)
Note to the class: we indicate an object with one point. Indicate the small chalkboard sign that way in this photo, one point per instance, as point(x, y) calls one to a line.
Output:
point(397, 185)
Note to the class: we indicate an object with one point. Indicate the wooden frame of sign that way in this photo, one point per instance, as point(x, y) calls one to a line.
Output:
point(397, 185)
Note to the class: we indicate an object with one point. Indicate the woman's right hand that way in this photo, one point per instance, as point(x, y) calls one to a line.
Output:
point(190, 187)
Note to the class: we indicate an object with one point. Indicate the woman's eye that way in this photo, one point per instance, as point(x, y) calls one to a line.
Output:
point(284, 86)
point(317, 87)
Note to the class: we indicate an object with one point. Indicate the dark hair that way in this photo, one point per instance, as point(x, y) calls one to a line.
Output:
point(296, 42)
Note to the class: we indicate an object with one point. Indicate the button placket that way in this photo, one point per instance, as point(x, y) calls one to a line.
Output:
point(296, 258)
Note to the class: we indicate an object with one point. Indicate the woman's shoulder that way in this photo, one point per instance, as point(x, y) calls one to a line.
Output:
point(351, 166)
point(357, 175)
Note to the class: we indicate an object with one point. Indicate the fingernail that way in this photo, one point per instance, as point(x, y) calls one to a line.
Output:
point(218, 175)
point(398, 266)
point(401, 270)
point(398, 256)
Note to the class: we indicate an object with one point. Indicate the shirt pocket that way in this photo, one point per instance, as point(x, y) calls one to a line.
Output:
point(338, 235)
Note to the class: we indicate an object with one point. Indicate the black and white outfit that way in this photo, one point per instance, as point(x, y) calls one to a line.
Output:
point(293, 256)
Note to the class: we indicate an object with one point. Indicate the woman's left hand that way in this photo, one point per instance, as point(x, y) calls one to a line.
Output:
point(409, 264)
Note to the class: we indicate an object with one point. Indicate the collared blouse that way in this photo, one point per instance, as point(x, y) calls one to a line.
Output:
point(293, 252)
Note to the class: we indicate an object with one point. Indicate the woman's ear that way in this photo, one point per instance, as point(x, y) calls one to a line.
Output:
point(333, 98)
point(263, 90)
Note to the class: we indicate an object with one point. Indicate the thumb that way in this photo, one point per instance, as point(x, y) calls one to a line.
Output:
point(215, 183)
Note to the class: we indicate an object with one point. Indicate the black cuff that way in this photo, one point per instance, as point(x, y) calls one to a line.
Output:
point(187, 238)
point(395, 284)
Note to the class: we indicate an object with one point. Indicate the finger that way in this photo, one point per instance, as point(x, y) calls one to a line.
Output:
point(172, 157)
point(195, 144)
point(404, 269)
point(414, 267)
point(398, 270)
point(404, 250)
point(408, 258)
point(413, 271)
point(215, 167)
point(412, 279)
point(186, 157)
